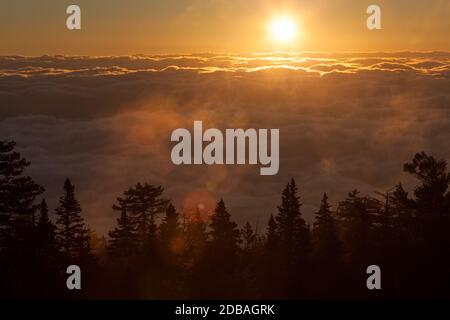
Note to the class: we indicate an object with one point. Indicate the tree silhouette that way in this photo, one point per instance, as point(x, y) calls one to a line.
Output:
point(293, 241)
point(251, 260)
point(72, 233)
point(195, 238)
point(326, 235)
point(327, 250)
point(291, 227)
point(18, 192)
point(170, 234)
point(122, 242)
point(248, 236)
point(17, 212)
point(358, 214)
point(272, 234)
point(268, 274)
point(45, 233)
point(225, 235)
point(432, 221)
point(142, 202)
point(122, 257)
point(171, 250)
point(216, 274)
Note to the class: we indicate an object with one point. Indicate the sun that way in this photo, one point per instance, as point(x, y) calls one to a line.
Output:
point(283, 29)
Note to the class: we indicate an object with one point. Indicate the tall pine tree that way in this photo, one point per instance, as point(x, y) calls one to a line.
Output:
point(45, 233)
point(122, 242)
point(218, 273)
point(272, 234)
point(170, 233)
point(293, 242)
point(195, 237)
point(327, 252)
point(269, 275)
point(225, 235)
point(72, 232)
point(142, 203)
point(326, 237)
point(358, 215)
point(17, 212)
point(17, 191)
point(248, 236)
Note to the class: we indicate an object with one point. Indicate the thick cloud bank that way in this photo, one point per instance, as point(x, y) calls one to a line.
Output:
point(346, 121)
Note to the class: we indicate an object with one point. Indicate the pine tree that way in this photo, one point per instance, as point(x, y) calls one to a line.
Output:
point(293, 243)
point(432, 196)
point(122, 239)
point(217, 275)
point(357, 215)
point(46, 264)
point(269, 277)
point(272, 234)
point(324, 215)
point(45, 233)
point(326, 235)
point(17, 196)
point(17, 211)
point(142, 202)
point(72, 233)
point(171, 249)
point(248, 236)
point(292, 231)
point(83, 246)
point(431, 205)
point(224, 234)
point(195, 238)
point(250, 261)
point(327, 252)
point(17, 192)
point(170, 232)
point(403, 213)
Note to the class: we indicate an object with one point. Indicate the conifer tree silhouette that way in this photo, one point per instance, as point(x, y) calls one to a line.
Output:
point(326, 235)
point(18, 193)
point(248, 237)
point(293, 241)
point(269, 276)
point(122, 243)
point(291, 227)
point(432, 197)
point(171, 251)
point(358, 215)
point(72, 232)
point(142, 202)
point(225, 235)
point(217, 273)
point(170, 233)
point(327, 251)
point(45, 233)
point(195, 238)
point(272, 234)
point(432, 222)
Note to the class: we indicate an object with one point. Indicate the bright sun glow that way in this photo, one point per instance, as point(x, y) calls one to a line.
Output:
point(283, 29)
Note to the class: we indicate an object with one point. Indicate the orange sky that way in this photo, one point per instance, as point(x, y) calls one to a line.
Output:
point(149, 26)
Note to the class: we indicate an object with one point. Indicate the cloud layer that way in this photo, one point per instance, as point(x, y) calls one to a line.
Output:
point(346, 121)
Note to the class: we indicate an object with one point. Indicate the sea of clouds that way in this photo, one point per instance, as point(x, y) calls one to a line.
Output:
point(346, 121)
